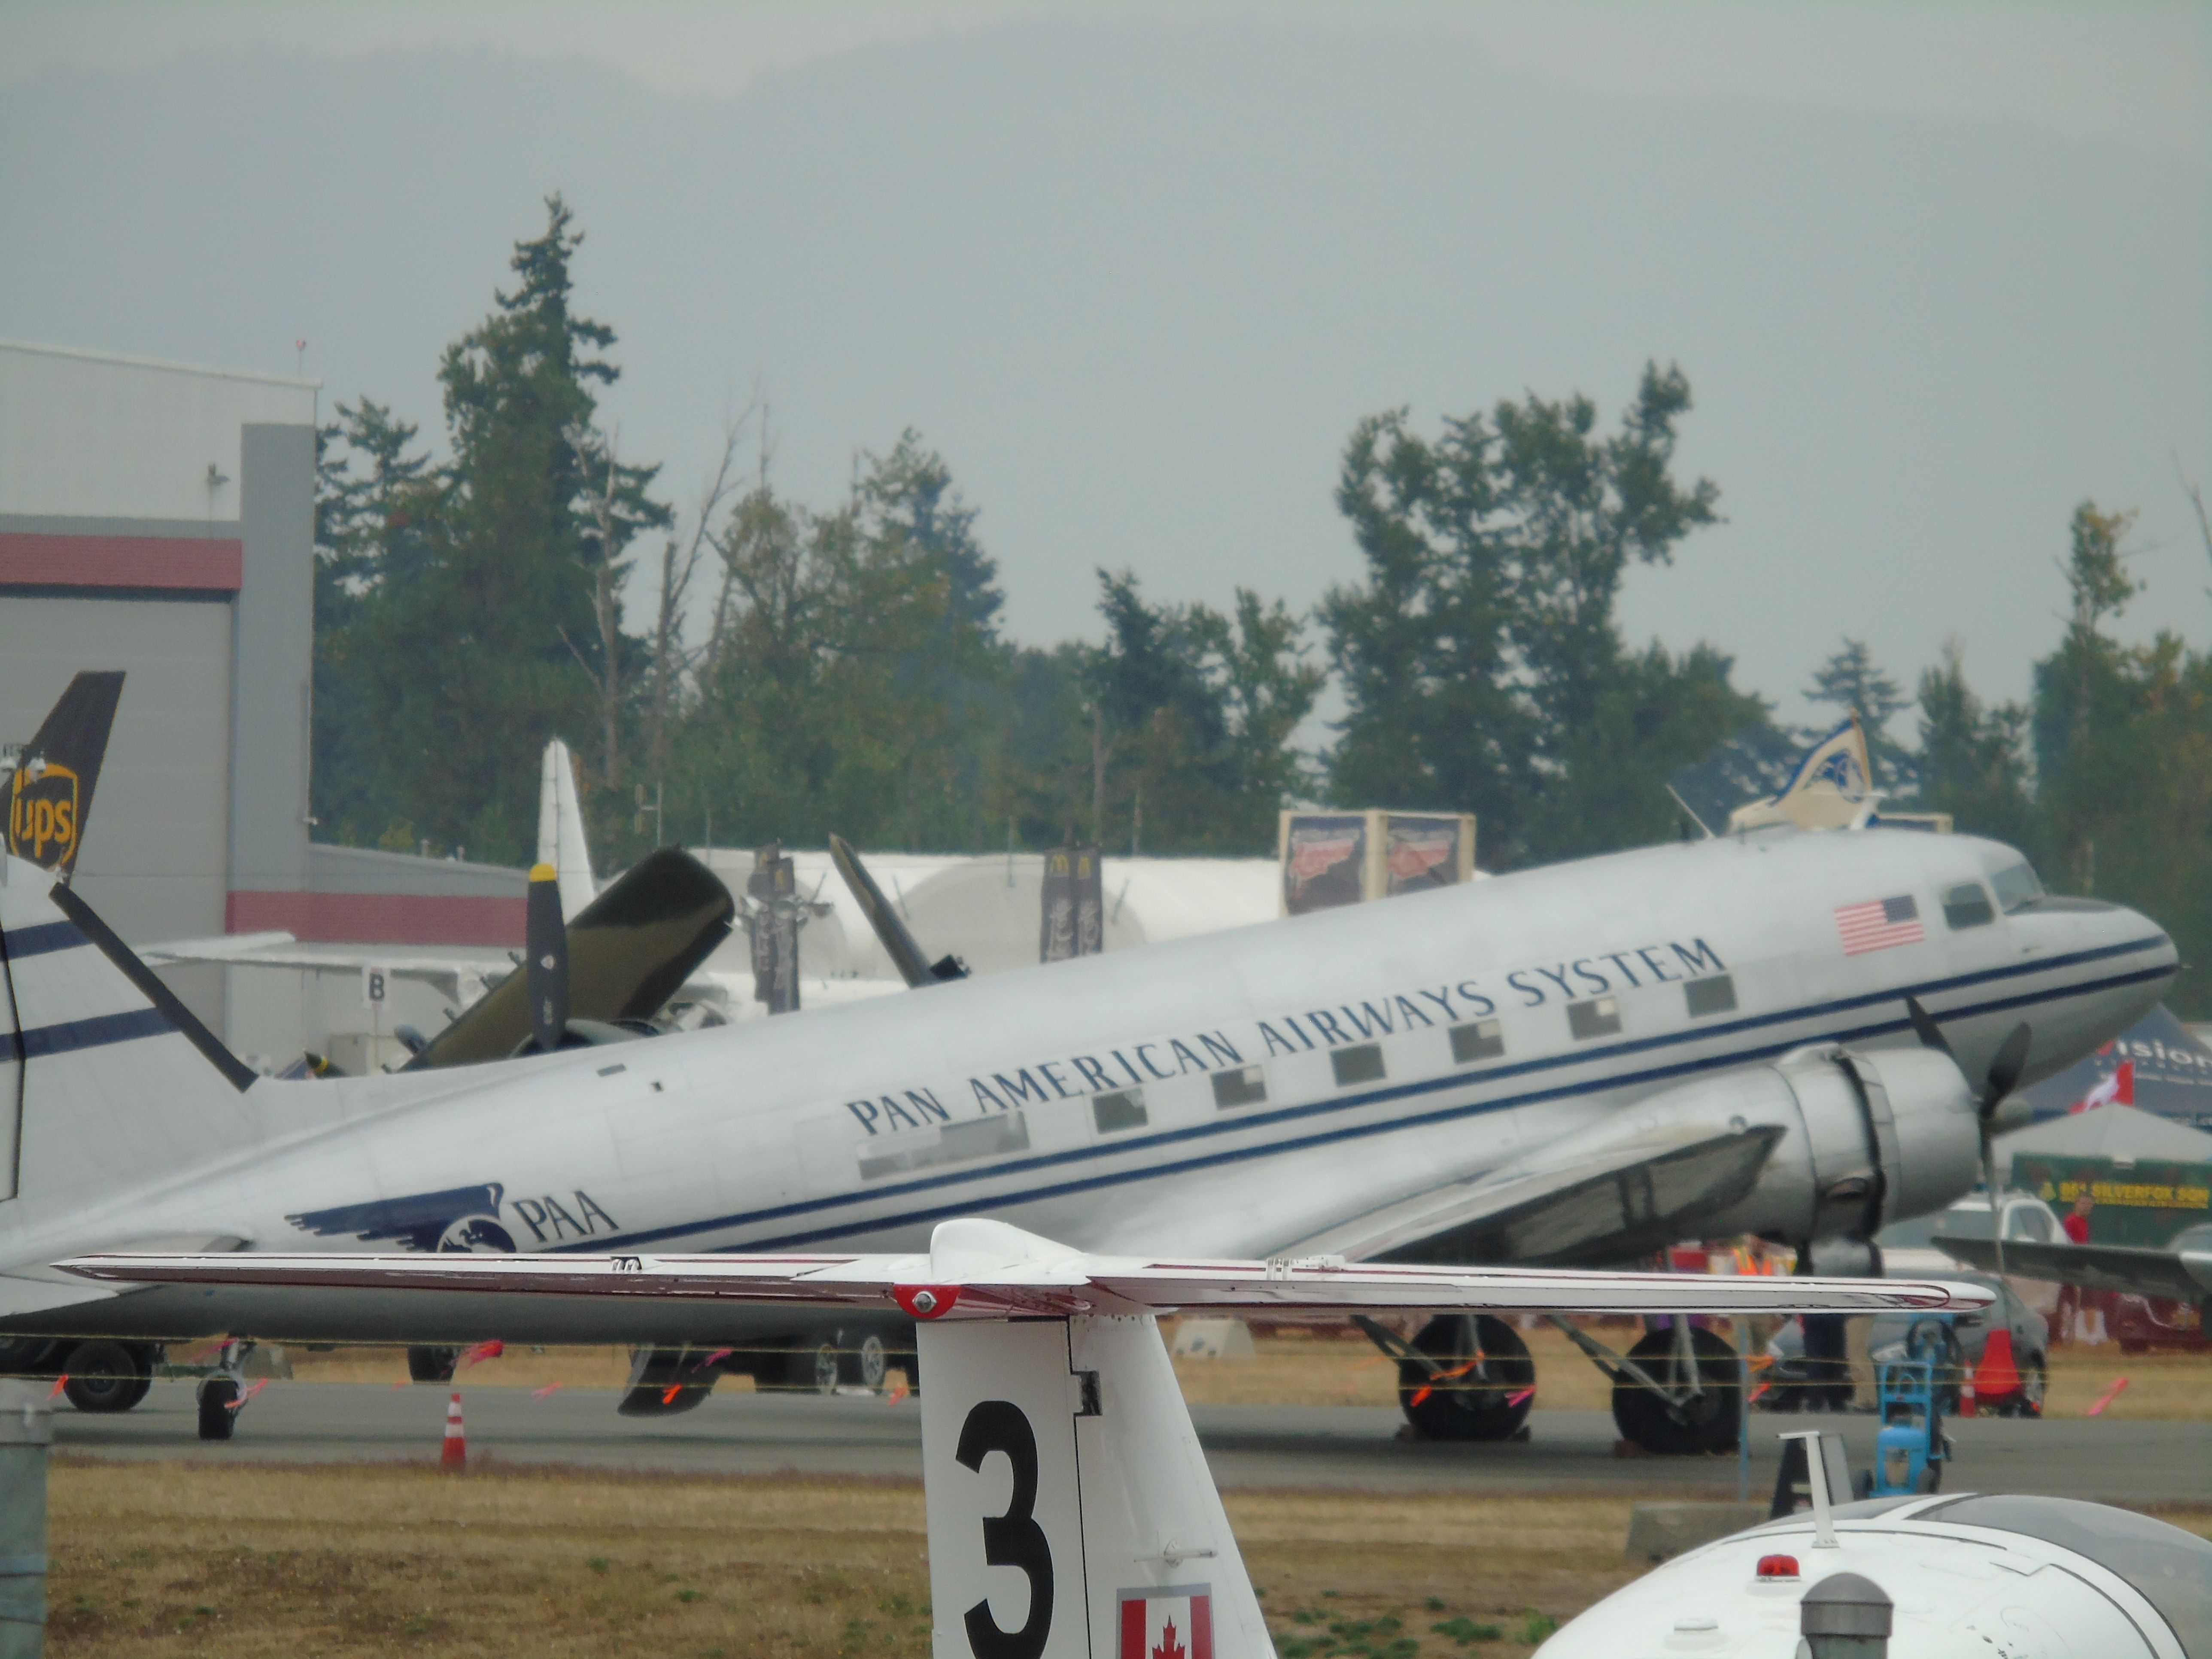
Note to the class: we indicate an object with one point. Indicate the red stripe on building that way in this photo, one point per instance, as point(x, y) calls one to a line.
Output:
point(209, 564)
point(379, 918)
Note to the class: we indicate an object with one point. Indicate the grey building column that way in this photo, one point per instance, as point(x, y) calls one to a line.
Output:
point(27, 1427)
point(272, 644)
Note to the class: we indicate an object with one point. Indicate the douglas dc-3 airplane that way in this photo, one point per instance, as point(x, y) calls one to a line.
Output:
point(1770, 1033)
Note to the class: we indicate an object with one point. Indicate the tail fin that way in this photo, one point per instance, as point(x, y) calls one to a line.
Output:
point(1112, 1540)
point(561, 840)
point(103, 1072)
point(49, 792)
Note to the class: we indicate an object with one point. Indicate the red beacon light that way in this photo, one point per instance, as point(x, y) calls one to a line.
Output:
point(1777, 1567)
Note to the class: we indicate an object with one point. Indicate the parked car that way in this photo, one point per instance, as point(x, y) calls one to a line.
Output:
point(1953, 1343)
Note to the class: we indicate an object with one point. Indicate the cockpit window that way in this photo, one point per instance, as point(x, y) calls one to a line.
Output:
point(1967, 906)
point(2016, 887)
point(2170, 1567)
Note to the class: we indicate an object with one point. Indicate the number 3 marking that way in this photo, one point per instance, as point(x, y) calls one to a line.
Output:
point(1011, 1540)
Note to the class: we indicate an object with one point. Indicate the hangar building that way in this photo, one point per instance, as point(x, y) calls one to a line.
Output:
point(160, 518)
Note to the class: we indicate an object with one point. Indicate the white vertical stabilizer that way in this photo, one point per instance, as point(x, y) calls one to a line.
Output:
point(561, 830)
point(110, 1076)
point(1072, 1515)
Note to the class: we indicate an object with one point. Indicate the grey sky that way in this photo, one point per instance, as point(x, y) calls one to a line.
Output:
point(1935, 275)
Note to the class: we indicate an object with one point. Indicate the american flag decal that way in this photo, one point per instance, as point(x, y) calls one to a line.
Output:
point(1879, 924)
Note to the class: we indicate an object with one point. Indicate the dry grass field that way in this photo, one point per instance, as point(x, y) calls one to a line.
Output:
point(164, 1561)
point(161, 1561)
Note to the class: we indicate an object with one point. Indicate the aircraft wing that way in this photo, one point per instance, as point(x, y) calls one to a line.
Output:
point(985, 1269)
point(2131, 1269)
point(448, 973)
point(1564, 1204)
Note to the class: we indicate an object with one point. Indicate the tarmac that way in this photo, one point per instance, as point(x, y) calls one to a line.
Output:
point(1344, 1448)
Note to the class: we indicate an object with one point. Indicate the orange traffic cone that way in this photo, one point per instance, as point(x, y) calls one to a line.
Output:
point(1996, 1377)
point(455, 1454)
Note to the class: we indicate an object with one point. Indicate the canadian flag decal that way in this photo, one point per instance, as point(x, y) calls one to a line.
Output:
point(1174, 1621)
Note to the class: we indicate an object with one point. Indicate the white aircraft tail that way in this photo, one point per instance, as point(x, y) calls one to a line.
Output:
point(104, 1074)
point(1071, 1512)
point(561, 840)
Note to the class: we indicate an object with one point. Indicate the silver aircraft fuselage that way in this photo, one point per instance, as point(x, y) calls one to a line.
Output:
point(1225, 1095)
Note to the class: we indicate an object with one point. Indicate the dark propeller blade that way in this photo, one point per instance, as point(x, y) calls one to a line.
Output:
point(2004, 1071)
point(898, 943)
point(1924, 1027)
point(546, 965)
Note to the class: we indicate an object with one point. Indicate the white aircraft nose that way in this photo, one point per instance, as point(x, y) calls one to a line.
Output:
point(2116, 963)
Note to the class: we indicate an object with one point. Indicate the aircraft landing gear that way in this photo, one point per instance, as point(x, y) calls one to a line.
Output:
point(427, 1365)
point(220, 1396)
point(108, 1377)
point(1674, 1393)
point(1693, 1406)
point(1462, 1378)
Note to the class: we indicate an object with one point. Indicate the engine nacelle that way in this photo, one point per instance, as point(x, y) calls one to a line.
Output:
point(1860, 1139)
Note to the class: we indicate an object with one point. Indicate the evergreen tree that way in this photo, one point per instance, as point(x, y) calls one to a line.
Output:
point(495, 623)
point(1481, 659)
point(1973, 760)
point(1851, 680)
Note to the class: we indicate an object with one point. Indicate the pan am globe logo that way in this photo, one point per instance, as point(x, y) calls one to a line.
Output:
point(42, 814)
point(1842, 769)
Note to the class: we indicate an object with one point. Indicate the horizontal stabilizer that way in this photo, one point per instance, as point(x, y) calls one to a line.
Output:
point(979, 1269)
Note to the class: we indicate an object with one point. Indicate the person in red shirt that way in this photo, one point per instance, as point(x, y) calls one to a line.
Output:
point(2080, 1313)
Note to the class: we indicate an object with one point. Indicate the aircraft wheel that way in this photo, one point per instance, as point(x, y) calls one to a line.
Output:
point(105, 1377)
point(1467, 1407)
point(1706, 1422)
point(432, 1364)
point(801, 1370)
point(218, 1420)
point(865, 1366)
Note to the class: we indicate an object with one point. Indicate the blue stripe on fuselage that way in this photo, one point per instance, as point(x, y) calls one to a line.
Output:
point(1400, 1091)
point(26, 942)
point(73, 1035)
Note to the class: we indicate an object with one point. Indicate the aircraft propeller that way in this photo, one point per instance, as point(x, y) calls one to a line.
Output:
point(2005, 1068)
point(898, 943)
point(545, 965)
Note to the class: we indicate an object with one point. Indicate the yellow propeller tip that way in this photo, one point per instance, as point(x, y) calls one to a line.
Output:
point(543, 873)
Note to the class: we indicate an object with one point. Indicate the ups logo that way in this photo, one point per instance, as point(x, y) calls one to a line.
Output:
point(42, 814)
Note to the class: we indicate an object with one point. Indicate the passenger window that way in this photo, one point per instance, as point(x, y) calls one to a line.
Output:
point(1716, 995)
point(956, 1143)
point(1363, 1064)
point(1596, 1016)
point(1479, 1039)
point(1245, 1086)
point(1967, 906)
point(1123, 1109)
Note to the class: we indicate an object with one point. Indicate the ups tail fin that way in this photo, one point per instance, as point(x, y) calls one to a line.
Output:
point(1112, 1515)
point(103, 1072)
point(49, 792)
point(561, 840)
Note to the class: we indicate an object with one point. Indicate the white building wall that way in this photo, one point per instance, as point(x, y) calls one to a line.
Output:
point(85, 434)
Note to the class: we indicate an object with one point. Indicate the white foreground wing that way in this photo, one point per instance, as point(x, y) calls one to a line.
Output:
point(977, 1269)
